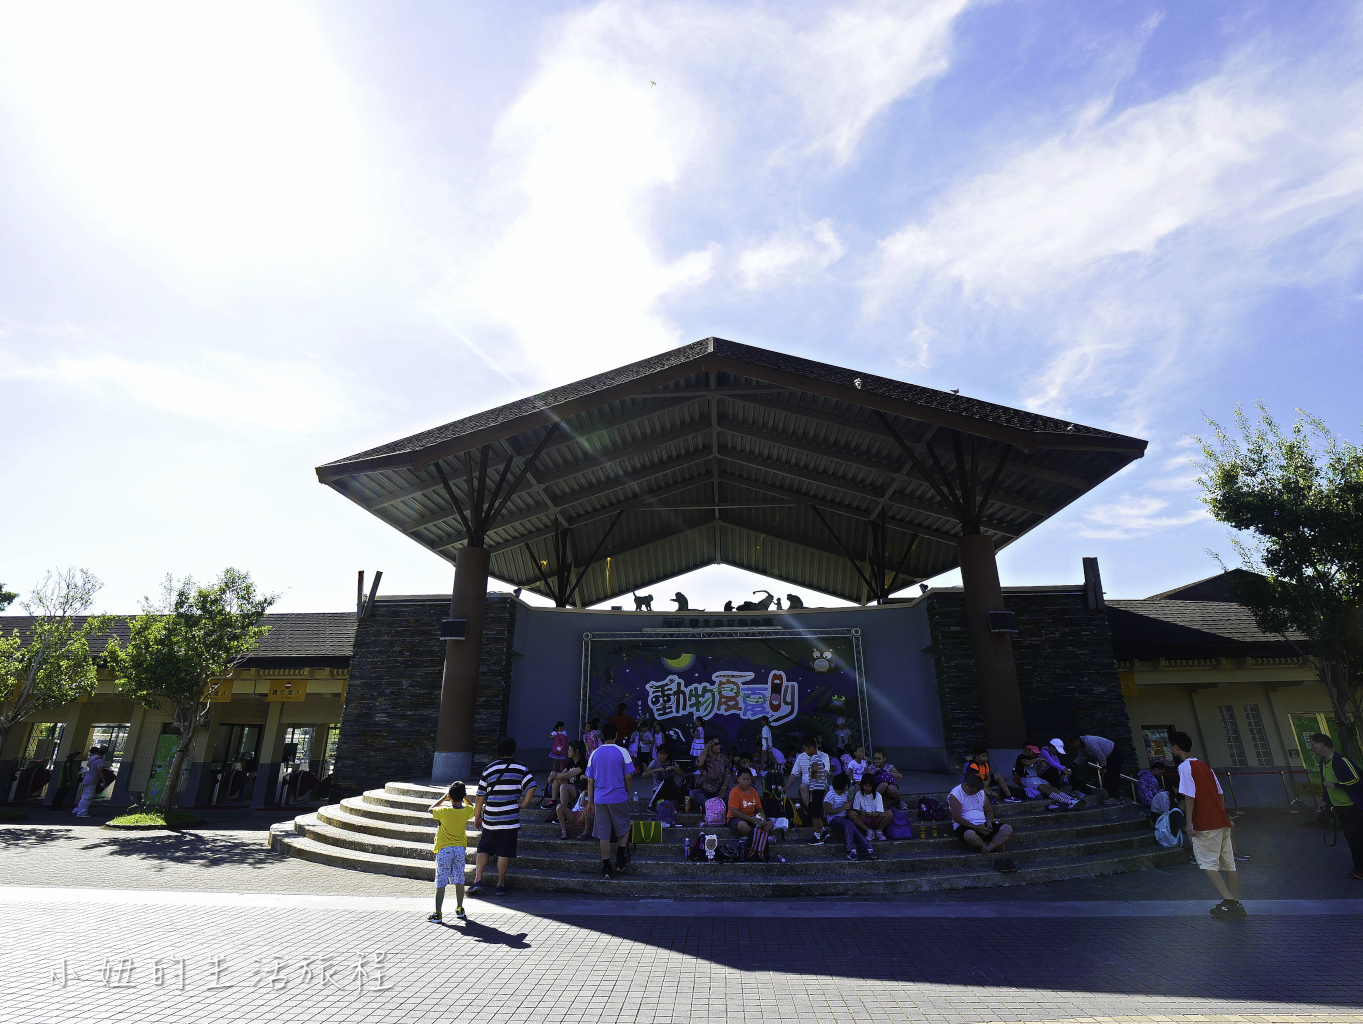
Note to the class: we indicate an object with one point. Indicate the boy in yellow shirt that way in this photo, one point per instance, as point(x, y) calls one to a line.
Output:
point(451, 851)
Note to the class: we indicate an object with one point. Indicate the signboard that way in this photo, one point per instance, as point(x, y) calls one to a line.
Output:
point(220, 691)
point(802, 681)
point(287, 690)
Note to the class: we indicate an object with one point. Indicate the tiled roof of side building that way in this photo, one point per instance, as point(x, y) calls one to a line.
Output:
point(292, 635)
point(1192, 629)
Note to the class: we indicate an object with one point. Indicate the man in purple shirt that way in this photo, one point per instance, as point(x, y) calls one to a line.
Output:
point(610, 772)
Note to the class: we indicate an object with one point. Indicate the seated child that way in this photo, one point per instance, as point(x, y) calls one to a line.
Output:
point(886, 775)
point(994, 783)
point(453, 812)
point(579, 817)
point(745, 807)
point(856, 765)
point(1028, 767)
point(868, 811)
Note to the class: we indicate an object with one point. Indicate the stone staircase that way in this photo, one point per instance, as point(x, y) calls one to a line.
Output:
point(390, 832)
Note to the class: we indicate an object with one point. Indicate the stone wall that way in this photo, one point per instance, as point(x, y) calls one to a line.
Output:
point(393, 694)
point(1066, 672)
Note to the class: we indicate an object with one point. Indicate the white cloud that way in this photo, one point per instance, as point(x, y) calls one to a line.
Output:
point(1127, 243)
point(1130, 517)
point(222, 388)
point(789, 255)
point(593, 156)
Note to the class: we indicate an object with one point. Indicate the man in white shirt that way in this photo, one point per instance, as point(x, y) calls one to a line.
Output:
point(973, 818)
point(1103, 751)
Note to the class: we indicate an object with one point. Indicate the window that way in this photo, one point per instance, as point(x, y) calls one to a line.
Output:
point(1263, 754)
point(1235, 746)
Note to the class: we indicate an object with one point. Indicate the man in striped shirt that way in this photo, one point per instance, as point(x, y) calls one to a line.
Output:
point(505, 787)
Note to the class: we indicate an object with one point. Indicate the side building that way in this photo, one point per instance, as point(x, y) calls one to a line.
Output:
point(271, 736)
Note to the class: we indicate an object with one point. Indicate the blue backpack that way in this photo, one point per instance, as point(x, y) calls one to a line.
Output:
point(930, 810)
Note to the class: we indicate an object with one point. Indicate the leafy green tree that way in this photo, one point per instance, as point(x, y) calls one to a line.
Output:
point(52, 665)
point(6, 597)
point(178, 648)
point(1297, 498)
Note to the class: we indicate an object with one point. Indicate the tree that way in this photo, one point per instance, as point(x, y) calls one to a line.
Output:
point(6, 597)
point(53, 665)
point(1299, 497)
point(178, 649)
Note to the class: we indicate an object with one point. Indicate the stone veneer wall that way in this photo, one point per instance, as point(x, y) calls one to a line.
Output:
point(1065, 666)
point(393, 694)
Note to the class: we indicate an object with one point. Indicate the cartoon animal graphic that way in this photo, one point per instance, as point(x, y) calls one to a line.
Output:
point(793, 602)
point(643, 604)
point(683, 605)
point(758, 606)
point(821, 661)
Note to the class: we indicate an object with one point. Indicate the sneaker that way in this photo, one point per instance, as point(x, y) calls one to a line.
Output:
point(436, 916)
point(1079, 803)
point(501, 890)
point(815, 840)
point(459, 913)
point(607, 872)
point(477, 886)
point(851, 854)
point(1229, 908)
point(1056, 807)
point(870, 854)
point(1012, 799)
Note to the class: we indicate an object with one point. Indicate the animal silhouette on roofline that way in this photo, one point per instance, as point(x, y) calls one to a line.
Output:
point(793, 601)
point(682, 604)
point(758, 606)
point(643, 604)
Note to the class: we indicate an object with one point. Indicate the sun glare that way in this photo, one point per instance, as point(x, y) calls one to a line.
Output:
point(219, 133)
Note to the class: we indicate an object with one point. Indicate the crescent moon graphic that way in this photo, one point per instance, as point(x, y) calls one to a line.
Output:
point(680, 663)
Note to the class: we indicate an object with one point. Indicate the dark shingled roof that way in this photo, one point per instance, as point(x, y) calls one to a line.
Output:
point(721, 452)
point(324, 639)
point(1214, 588)
point(1191, 629)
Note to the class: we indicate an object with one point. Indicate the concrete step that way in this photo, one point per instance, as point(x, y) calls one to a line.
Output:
point(724, 881)
point(545, 839)
point(666, 859)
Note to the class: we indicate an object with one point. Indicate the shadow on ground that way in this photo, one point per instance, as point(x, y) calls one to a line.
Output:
point(158, 850)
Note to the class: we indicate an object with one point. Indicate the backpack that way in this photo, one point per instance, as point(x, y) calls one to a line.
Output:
point(695, 849)
point(754, 847)
point(930, 810)
point(899, 827)
point(1164, 835)
point(667, 812)
point(716, 811)
point(772, 807)
point(796, 814)
point(1146, 786)
point(728, 852)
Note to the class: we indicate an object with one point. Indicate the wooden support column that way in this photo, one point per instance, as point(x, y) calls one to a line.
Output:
point(459, 684)
point(995, 670)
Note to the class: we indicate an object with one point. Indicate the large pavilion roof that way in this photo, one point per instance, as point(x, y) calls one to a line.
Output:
point(720, 452)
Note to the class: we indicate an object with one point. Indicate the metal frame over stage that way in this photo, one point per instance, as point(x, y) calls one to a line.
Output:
point(838, 481)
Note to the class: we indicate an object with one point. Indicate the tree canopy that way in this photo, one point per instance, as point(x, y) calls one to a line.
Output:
point(1296, 498)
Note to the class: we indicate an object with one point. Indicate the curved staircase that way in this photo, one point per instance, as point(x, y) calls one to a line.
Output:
point(389, 831)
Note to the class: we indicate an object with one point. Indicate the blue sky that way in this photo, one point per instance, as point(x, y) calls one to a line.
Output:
point(240, 241)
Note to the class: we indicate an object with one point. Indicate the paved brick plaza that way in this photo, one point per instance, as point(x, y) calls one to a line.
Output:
point(150, 927)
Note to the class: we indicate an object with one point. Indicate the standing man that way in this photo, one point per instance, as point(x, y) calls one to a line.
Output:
point(1209, 826)
point(610, 773)
point(504, 788)
point(1104, 752)
point(1341, 785)
point(89, 783)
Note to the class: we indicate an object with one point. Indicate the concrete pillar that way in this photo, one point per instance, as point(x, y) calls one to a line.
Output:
point(459, 684)
point(118, 796)
point(271, 749)
point(80, 719)
point(995, 671)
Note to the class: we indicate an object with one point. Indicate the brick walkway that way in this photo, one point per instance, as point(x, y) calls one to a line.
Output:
point(158, 912)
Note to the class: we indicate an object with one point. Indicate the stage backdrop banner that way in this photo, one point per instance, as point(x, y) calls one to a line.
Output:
point(804, 682)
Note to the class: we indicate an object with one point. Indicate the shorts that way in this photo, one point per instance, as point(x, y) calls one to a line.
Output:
point(1213, 849)
point(499, 842)
point(816, 802)
point(449, 865)
point(611, 823)
point(983, 831)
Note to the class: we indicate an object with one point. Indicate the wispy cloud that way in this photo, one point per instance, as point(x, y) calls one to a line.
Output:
point(218, 387)
point(638, 112)
point(1133, 516)
point(1130, 241)
point(789, 255)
